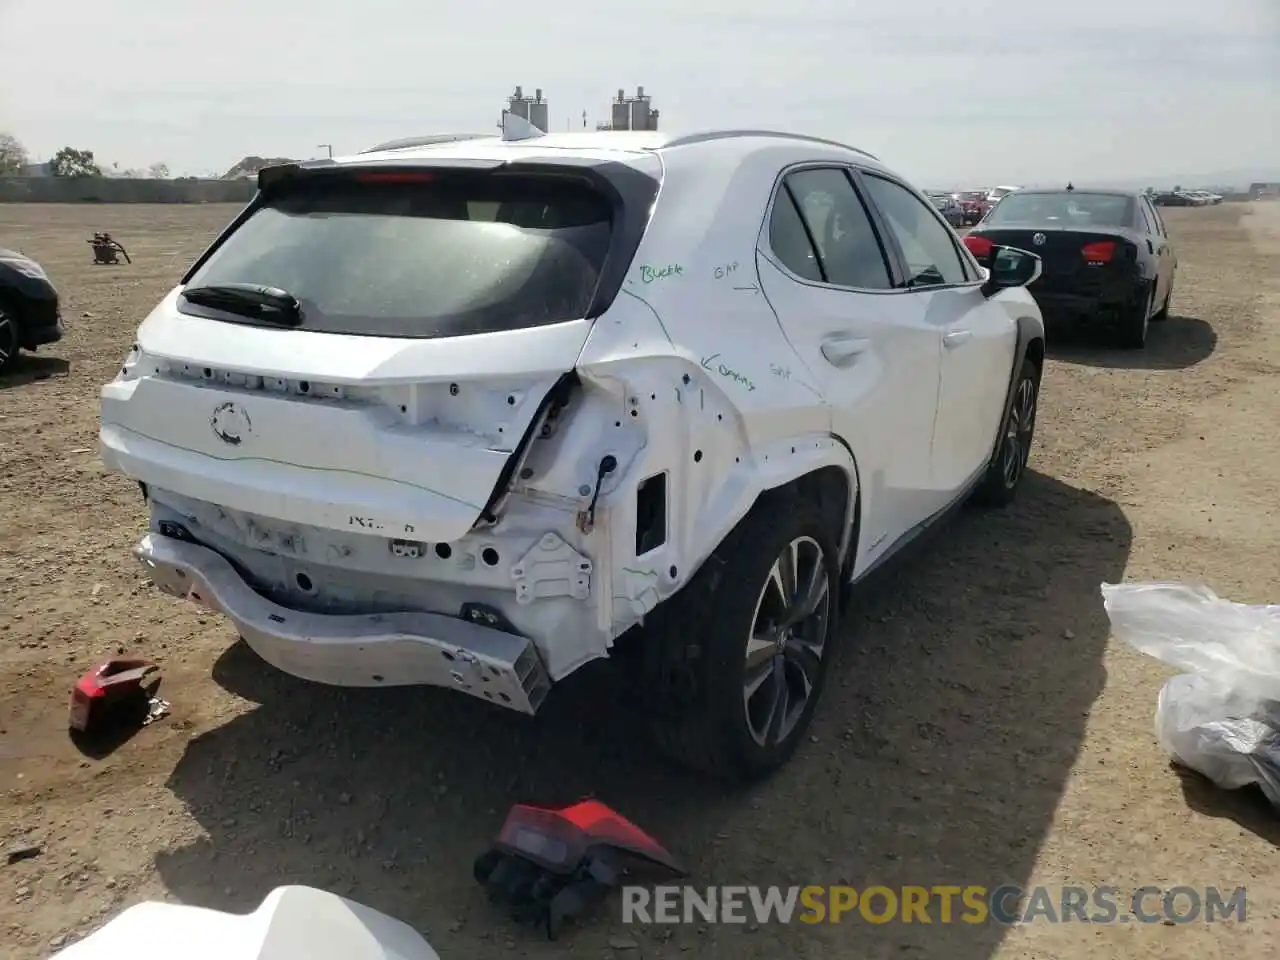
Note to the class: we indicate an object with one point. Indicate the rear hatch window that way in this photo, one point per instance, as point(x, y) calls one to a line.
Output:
point(420, 255)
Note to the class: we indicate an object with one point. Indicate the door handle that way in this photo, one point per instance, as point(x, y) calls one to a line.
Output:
point(842, 351)
point(955, 338)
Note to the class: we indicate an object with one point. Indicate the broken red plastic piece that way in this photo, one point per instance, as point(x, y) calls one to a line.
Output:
point(106, 686)
point(557, 838)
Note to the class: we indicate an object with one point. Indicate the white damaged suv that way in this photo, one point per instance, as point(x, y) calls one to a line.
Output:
point(466, 413)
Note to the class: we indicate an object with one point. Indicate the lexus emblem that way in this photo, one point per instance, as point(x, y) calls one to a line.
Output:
point(1038, 239)
point(230, 423)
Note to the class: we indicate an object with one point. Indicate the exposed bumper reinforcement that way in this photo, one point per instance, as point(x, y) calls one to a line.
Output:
point(393, 649)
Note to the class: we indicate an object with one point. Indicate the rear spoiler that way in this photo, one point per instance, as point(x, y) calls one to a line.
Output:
point(425, 141)
point(269, 177)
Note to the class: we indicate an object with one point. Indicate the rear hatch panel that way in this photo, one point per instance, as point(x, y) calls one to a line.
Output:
point(386, 459)
point(437, 318)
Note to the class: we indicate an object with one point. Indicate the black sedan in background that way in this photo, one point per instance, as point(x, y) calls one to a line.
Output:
point(29, 315)
point(1106, 259)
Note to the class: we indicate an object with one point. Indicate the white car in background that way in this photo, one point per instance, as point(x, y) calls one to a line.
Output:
point(996, 194)
point(475, 413)
point(1205, 196)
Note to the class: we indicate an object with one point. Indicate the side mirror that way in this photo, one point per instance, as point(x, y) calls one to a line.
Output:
point(1009, 267)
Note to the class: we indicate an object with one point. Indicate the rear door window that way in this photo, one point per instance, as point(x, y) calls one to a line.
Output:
point(789, 239)
point(927, 243)
point(849, 250)
point(423, 255)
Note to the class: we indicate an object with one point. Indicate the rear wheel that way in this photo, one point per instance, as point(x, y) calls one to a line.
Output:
point(10, 336)
point(745, 646)
point(1135, 320)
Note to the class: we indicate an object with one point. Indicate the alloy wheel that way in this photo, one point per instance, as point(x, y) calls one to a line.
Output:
point(1018, 432)
point(787, 642)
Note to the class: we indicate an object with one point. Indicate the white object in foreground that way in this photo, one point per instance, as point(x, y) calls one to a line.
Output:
point(293, 923)
point(1222, 719)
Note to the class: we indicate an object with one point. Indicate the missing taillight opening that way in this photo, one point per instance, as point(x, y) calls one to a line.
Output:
point(651, 514)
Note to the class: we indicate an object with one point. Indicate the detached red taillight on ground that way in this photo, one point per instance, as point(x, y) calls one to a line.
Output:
point(557, 837)
point(108, 688)
point(548, 864)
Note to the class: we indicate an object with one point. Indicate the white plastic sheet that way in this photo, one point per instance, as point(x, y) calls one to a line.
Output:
point(1223, 718)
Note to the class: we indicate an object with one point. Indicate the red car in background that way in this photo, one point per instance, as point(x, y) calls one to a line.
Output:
point(975, 205)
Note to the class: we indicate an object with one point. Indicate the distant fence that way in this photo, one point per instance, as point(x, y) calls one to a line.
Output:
point(122, 190)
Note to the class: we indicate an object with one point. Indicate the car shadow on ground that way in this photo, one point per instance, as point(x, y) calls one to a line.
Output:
point(1175, 344)
point(1247, 807)
point(27, 369)
point(947, 734)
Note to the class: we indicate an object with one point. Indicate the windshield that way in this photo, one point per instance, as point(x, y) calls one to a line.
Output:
point(1063, 209)
point(428, 256)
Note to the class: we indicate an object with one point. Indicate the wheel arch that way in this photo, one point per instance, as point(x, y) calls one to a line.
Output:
point(1030, 346)
point(838, 489)
point(13, 306)
point(12, 299)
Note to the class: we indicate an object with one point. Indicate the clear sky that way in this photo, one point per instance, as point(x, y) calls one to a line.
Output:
point(947, 91)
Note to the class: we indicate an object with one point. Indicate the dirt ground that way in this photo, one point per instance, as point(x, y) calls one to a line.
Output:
point(982, 728)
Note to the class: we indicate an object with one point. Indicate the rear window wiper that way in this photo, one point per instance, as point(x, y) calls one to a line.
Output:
point(268, 304)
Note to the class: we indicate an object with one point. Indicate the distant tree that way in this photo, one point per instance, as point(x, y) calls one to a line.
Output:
point(13, 155)
point(160, 171)
point(133, 173)
point(69, 162)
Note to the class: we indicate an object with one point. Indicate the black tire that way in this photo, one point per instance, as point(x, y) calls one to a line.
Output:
point(695, 650)
point(1131, 332)
point(999, 487)
point(10, 335)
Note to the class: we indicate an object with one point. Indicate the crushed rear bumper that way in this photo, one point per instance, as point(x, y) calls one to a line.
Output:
point(363, 650)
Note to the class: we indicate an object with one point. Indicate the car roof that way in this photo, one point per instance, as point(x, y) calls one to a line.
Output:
point(632, 147)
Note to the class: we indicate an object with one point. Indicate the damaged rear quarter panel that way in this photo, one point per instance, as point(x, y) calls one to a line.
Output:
point(692, 357)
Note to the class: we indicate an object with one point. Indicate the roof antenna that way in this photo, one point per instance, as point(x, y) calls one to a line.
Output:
point(516, 127)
